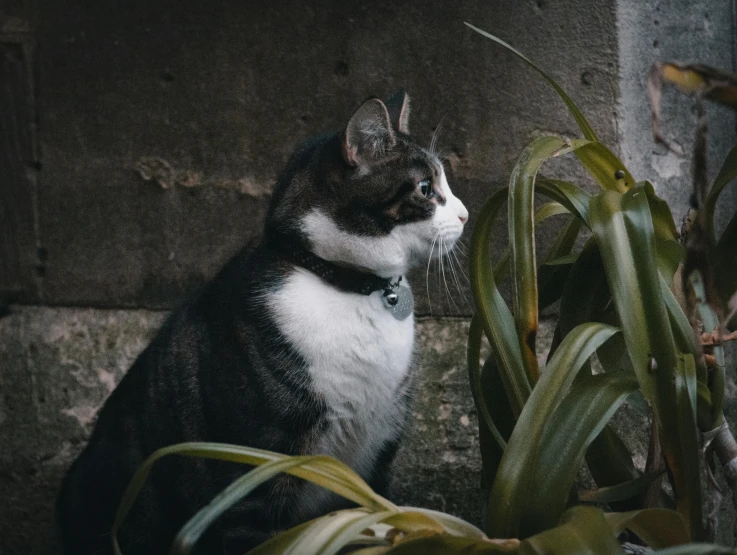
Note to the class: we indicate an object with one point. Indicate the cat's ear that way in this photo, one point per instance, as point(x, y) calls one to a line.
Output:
point(369, 135)
point(398, 107)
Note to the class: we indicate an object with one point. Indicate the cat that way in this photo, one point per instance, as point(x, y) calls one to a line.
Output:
point(301, 346)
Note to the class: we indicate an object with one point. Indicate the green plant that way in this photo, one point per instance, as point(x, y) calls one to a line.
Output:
point(537, 427)
point(407, 530)
point(615, 300)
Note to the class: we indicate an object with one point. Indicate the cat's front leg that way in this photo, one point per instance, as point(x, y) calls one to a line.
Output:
point(380, 478)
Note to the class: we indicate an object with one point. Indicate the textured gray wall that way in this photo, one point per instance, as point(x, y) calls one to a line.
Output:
point(686, 31)
point(163, 124)
point(59, 364)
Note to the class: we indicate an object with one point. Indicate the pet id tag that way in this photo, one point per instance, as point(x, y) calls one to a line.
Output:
point(399, 301)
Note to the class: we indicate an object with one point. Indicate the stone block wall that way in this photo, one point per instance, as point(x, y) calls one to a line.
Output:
point(140, 141)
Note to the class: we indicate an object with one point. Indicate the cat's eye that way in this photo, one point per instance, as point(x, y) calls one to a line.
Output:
point(425, 188)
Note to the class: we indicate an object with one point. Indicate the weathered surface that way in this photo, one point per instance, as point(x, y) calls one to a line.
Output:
point(684, 31)
point(19, 161)
point(162, 128)
point(58, 365)
point(164, 124)
point(439, 465)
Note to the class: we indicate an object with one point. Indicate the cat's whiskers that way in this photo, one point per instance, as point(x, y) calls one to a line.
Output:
point(438, 280)
point(439, 273)
point(452, 257)
point(456, 252)
point(452, 260)
point(427, 272)
point(434, 139)
point(461, 249)
point(436, 134)
point(442, 270)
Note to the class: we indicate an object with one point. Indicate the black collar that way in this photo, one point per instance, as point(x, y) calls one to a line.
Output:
point(347, 279)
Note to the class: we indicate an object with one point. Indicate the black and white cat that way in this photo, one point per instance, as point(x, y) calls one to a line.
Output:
point(303, 346)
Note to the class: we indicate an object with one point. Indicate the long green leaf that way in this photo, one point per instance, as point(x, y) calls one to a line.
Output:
point(496, 417)
point(474, 372)
point(543, 213)
point(573, 197)
point(445, 545)
point(373, 550)
point(622, 491)
point(586, 129)
point(608, 171)
point(328, 473)
point(552, 279)
point(623, 229)
point(614, 355)
point(452, 524)
point(584, 299)
point(549, 210)
point(682, 331)
point(282, 541)
point(664, 226)
point(610, 464)
point(709, 407)
point(328, 535)
point(631, 273)
point(191, 532)
point(658, 528)
point(522, 241)
point(585, 293)
point(670, 253)
point(495, 316)
point(579, 419)
point(411, 520)
point(488, 431)
point(725, 261)
point(502, 415)
point(710, 324)
point(516, 471)
point(583, 531)
point(726, 174)
point(553, 274)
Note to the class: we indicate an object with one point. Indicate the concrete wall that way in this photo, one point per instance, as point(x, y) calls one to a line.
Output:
point(59, 364)
point(683, 31)
point(144, 138)
point(163, 125)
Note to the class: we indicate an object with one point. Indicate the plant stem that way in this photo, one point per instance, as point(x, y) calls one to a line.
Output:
point(655, 463)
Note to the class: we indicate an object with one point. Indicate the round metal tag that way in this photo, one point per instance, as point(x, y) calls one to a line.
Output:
point(401, 306)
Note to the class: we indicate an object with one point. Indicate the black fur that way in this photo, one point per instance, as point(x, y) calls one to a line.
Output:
point(220, 370)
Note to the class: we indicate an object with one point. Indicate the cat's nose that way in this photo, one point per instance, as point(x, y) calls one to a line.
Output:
point(463, 218)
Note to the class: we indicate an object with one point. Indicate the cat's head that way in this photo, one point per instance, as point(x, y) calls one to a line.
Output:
point(368, 197)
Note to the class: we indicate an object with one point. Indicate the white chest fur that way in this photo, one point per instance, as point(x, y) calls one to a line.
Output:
point(357, 354)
